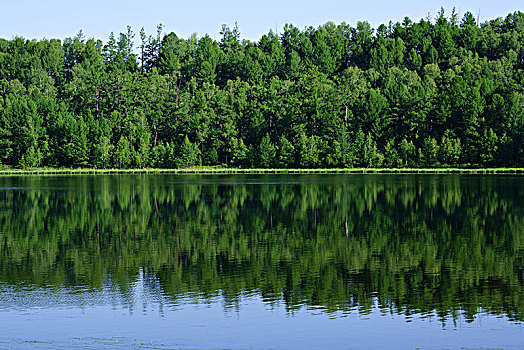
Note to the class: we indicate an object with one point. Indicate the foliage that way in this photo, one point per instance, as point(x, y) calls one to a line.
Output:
point(413, 94)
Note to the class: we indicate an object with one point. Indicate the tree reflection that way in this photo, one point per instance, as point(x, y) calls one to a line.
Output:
point(414, 243)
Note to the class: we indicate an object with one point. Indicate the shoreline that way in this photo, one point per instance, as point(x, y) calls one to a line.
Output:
point(225, 171)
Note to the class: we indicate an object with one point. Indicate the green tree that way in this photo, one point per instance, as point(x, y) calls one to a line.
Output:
point(31, 159)
point(239, 152)
point(391, 158)
point(430, 152)
point(450, 149)
point(407, 152)
point(286, 153)
point(372, 156)
point(317, 93)
point(189, 153)
point(103, 152)
point(343, 151)
point(489, 147)
point(122, 153)
point(143, 142)
point(267, 152)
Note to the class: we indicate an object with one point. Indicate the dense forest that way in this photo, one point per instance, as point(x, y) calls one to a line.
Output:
point(418, 244)
point(444, 91)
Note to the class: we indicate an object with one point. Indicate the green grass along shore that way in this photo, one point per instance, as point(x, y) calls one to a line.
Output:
point(225, 170)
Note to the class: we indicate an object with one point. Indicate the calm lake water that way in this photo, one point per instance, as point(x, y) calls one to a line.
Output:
point(262, 262)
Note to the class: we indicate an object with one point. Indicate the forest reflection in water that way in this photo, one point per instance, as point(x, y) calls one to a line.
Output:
point(444, 245)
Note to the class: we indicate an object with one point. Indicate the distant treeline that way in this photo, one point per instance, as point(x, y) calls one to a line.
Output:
point(442, 92)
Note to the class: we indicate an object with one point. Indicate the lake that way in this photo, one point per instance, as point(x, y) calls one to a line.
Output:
point(262, 261)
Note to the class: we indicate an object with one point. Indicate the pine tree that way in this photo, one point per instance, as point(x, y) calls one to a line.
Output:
point(285, 153)
point(189, 153)
point(266, 152)
point(123, 153)
point(430, 152)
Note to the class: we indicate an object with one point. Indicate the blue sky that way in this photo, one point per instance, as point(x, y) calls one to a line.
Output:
point(97, 18)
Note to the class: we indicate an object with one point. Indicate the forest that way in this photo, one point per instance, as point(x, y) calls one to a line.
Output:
point(446, 91)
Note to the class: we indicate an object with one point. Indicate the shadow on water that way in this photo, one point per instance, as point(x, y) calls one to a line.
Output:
point(426, 245)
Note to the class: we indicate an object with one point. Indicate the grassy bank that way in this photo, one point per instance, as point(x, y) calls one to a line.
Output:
point(225, 170)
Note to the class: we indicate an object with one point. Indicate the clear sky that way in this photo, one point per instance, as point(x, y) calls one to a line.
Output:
point(97, 18)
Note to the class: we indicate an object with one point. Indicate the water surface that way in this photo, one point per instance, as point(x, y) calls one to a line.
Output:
point(272, 261)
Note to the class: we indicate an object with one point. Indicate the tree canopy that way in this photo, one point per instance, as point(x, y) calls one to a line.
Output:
point(442, 92)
